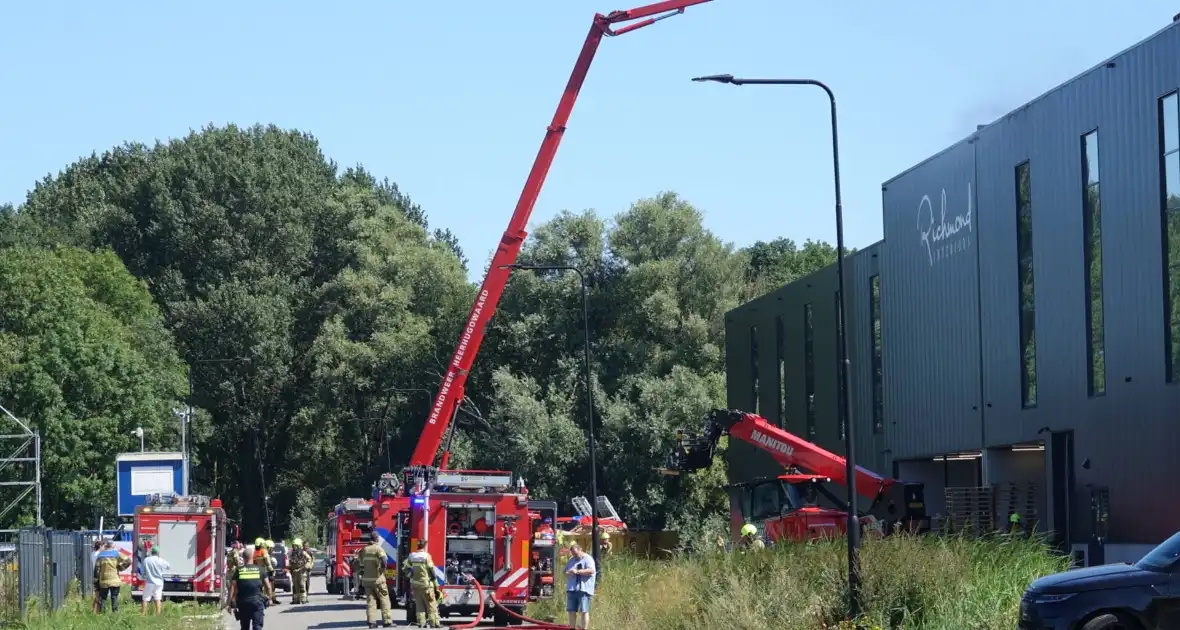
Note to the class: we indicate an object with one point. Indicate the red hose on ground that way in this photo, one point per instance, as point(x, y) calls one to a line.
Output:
point(529, 623)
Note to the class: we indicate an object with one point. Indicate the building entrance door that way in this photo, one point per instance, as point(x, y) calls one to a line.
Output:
point(1062, 481)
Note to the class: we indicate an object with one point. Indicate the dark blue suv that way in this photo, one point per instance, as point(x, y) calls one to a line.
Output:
point(1140, 596)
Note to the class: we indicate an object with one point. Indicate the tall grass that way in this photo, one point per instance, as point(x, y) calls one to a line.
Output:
point(912, 582)
point(76, 614)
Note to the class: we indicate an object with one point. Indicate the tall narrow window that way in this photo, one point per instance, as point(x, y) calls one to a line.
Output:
point(1092, 260)
point(1027, 295)
point(754, 368)
point(875, 332)
point(809, 369)
point(782, 370)
point(839, 369)
point(1170, 204)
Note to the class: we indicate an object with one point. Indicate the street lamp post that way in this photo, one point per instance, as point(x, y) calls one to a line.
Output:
point(594, 544)
point(842, 347)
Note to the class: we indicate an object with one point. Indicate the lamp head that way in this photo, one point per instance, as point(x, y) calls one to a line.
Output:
point(716, 78)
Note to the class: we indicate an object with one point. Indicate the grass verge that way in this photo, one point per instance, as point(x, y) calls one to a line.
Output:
point(913, 582)
point(76, 614)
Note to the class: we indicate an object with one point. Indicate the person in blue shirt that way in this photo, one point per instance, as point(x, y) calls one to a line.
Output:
point(579, 586)
point(154, 568)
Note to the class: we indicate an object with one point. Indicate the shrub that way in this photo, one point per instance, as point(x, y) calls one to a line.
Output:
point(918, 582)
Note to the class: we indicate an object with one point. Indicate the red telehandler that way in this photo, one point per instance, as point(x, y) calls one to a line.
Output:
point(481, 525)
point(787, 507)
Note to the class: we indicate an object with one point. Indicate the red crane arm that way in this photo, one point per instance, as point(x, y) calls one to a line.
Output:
point(450, 392)
point(696, 452)
point(793, 451)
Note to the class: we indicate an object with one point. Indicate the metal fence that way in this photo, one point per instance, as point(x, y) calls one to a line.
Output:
point(42, 568)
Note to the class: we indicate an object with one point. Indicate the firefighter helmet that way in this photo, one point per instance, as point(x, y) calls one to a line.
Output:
point(259, 542)
point(298, 542)
point(270, 544)
point(749, 530)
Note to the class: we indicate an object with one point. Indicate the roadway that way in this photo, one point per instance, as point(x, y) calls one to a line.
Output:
point(321, 612)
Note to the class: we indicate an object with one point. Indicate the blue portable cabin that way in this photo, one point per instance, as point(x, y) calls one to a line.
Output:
point(138, 475)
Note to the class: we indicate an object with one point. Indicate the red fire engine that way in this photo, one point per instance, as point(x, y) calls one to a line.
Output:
point(787, 507)
point(480, 524)
point(348, 528)
point(190, 532)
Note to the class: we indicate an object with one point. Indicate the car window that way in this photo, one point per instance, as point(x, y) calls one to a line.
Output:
point(1163, 557)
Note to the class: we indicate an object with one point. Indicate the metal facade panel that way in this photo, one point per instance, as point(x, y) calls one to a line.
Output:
point(1136, 413)
point(930, 307)
point(818, 290)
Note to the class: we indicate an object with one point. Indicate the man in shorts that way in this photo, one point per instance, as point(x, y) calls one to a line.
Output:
point(154, 568)
point(580, 573)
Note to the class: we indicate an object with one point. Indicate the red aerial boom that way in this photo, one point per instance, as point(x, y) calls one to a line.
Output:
point(787, 505)
point(450, 392)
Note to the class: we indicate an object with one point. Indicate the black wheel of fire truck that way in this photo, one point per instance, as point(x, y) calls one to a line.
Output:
point(501, 618)
point(1112, 621)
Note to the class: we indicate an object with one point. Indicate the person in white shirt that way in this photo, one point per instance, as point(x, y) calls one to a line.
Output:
point(153, 580)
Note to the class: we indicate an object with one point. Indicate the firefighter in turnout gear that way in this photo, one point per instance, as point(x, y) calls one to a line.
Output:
point(107, 566)
point(420, 566)
point(372, 577)
point(299, 563)
point(750, 540)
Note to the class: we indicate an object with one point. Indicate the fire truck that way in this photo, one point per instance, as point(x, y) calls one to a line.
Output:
point(481, 524)
point(788, 506)
point(190, 532)
point(348, 528)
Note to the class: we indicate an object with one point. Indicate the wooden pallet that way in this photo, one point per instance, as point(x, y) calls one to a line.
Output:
point(1016, 498)
point(969, 509)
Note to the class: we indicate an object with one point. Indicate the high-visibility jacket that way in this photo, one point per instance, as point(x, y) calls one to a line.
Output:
point(421, 568)
point(107, 566)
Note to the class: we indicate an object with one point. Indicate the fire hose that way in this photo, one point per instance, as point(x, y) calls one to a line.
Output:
point(529, 623)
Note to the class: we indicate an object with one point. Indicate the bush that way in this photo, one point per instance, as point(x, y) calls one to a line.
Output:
point(918, 582)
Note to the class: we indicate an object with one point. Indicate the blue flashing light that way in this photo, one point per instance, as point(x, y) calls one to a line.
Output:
point(419, 500)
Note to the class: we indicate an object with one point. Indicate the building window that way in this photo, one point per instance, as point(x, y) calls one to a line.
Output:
point(1092, 259)
point(875, 332)
point(1027, 295)
point(839, 368)
point(809, 369)
point(754, 367)
point(1169, 116)
point(782, 370)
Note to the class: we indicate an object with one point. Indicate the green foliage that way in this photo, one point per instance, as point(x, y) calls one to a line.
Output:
point(919, 583)
point(316, 310)
point(76, 614)
point(85, 359)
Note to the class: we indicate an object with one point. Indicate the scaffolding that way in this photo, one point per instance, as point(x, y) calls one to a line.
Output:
point(27, 450)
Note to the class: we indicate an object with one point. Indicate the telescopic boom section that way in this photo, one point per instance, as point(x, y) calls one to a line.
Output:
point(450, 392)
point(696, 452)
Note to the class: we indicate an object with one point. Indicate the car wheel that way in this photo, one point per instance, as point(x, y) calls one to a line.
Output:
point(1111, 621)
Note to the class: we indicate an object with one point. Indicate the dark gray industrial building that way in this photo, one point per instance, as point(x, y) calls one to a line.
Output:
point(1027, 293)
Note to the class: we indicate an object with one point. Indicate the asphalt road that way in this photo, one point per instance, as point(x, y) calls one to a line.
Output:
point(322, 612)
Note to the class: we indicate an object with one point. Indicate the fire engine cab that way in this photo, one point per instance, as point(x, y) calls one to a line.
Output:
point(190, 532)
point(479, 526)
point(348, 529)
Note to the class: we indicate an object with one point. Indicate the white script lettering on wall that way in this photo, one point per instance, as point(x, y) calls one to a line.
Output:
point(944, 236)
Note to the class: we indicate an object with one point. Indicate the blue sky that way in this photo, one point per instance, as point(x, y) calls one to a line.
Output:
point(451, 99)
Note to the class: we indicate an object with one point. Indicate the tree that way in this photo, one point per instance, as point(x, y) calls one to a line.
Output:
point(265, 263)
point(86, 359)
